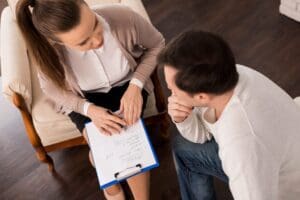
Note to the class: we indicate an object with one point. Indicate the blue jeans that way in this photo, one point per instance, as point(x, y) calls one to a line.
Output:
point(196, 165)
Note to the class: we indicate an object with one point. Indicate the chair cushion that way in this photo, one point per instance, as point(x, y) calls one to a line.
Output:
point(51, 126)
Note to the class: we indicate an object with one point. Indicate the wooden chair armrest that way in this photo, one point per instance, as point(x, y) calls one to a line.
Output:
point(19, 102)
point(32, 135)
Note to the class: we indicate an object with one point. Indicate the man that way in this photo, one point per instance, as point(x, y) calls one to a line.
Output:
point(238, 125)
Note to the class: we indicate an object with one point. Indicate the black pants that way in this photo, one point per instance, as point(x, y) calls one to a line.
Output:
point(110, 100)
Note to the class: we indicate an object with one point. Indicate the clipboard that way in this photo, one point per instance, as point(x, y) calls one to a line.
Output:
point(121, 156)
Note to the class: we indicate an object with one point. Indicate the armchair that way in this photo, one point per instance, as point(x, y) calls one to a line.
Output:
point(47, 130)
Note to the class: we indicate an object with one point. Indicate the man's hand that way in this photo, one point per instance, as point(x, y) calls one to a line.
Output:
point(178, 110)
point(131, 104)
point(104, 120)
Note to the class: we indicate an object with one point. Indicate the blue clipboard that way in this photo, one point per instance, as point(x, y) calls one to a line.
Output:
point(132, 170)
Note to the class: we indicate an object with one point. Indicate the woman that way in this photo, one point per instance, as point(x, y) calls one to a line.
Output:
point(92, 62)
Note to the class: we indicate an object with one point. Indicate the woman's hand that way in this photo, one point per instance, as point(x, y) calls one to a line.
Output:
point(178, 110)
point(104, 120)
point(131, 104)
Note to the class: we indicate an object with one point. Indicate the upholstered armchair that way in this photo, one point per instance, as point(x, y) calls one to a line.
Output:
point(47, 130)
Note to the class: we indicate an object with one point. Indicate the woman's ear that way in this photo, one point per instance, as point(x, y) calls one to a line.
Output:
point(54, 41)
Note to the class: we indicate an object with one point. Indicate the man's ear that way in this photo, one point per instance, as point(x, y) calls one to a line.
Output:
point(202, 98)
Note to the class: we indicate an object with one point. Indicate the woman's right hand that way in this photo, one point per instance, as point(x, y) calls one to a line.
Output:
point(104, 120)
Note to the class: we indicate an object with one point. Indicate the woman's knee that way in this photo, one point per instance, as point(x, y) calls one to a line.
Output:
point(114, 189)
point(91, 159)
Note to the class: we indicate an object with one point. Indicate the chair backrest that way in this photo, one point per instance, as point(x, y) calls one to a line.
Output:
point(12, 3)
point(134, 4)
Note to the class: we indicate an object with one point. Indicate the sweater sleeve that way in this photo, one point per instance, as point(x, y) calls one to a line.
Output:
point(193, 128)
point(152, 40)
point(66, 99)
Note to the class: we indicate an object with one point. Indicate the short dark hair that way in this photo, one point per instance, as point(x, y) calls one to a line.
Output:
point(204, 61)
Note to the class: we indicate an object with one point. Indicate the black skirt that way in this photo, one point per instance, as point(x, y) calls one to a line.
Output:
point(110, 100)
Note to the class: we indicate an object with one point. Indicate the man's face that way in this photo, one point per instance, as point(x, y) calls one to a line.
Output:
point(170, 74)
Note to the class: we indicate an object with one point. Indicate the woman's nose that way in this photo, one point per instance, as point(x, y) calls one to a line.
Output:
point(97, 42)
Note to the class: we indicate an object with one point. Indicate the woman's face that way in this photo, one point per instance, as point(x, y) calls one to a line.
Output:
point(86, 35)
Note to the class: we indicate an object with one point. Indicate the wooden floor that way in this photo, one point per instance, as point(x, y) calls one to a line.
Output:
point(260, 38)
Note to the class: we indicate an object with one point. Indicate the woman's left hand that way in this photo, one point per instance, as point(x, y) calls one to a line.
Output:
point(131, 104)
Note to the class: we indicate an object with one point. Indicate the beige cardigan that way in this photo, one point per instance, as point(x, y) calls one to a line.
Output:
point(138, 40)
